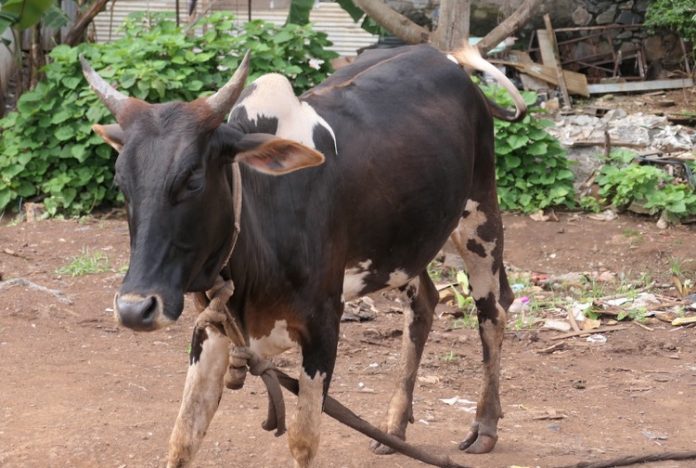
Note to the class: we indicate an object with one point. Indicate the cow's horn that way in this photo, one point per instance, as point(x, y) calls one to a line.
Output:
point(112, 98)
point(222, 101)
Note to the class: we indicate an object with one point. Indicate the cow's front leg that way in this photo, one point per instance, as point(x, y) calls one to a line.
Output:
point(208, 364)
point(318, 359)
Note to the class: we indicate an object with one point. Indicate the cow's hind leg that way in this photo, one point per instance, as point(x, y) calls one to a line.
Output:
point(417, 323)
point(208, 364)
point(479, 240)
point(318, 347)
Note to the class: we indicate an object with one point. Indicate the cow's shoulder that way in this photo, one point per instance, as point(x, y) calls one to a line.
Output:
point(269, 105)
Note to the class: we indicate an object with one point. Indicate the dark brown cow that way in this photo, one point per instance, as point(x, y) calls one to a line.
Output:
point(397, 154)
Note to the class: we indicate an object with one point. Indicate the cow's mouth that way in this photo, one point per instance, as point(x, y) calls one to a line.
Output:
point(140, 312)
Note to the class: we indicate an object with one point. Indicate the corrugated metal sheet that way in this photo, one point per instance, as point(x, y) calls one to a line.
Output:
point(347, 36)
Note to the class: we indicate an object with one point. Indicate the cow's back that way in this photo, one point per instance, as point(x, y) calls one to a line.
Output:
point(407, 123)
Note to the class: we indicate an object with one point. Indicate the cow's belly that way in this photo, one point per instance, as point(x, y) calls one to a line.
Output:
point(365, 278)
point(275, 342)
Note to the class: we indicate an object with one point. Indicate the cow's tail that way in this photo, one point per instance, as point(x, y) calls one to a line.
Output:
point(469, 56)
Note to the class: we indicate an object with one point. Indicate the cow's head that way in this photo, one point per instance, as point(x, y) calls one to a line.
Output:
point(172, 170)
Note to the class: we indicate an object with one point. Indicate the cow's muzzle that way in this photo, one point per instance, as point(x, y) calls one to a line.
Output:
point(141, 313)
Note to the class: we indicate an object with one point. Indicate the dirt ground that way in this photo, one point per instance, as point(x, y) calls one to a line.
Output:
point(75, 390)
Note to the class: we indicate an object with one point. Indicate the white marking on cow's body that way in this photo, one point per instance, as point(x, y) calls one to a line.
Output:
point(452, 58)
point(478, 268)
point(303, 432)
point(277, 341)
point(397, 278)
point(273, 97)
point(354, 280)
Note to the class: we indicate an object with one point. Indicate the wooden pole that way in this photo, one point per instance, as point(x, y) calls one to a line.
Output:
point(559, 71)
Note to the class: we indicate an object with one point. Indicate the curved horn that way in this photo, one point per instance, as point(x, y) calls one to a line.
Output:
point(113, 99)
point(222, 101)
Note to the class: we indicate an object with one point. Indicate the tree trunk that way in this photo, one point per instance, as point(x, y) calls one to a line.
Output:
point(508, 27)
point(454, 23)
point(36, 56)
point(77, 32)
point(394, 22)
point(453, 27)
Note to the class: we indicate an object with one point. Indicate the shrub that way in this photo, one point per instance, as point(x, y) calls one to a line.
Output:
point(531, 166)
point(675, 15)
point(48, 150)
point(622, 182)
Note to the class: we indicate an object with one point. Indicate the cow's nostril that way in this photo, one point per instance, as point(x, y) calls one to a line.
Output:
point(137, 312)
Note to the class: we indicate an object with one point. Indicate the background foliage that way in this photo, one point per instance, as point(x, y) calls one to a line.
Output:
point(531, 166)
point(675, 15)
point(622, 181)
point(48, 150)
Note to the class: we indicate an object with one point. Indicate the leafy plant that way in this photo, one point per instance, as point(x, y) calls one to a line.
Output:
point(23, 14)
point(531, 166)
point(461, 291)
point(623, 182)
point(86, 264)
point(675, 15)
point(48, 150)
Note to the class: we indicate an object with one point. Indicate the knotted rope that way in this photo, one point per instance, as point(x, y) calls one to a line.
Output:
point(217, 314)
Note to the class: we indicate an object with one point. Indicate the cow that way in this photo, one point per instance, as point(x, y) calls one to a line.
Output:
point(380, 164)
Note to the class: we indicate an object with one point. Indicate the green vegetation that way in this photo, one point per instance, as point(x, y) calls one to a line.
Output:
point(675, 15)
point(622, 182)
point(47, 147)
point(87, 263)
point(531, 166)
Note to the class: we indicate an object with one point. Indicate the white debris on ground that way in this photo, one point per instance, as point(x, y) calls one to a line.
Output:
point(650, 131)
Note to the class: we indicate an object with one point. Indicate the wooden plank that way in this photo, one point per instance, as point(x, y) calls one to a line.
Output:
point(546, 49)
point(576, 82)
point(557, 59)
point(635, 86)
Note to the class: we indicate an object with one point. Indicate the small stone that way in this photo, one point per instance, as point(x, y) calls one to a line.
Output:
point(581, 16)
point(642, 5)
point(626, 17)
point(607, 16)
point(626, 5)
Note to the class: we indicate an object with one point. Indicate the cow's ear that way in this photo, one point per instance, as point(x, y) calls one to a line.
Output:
point(275, 156)
point(112, 134)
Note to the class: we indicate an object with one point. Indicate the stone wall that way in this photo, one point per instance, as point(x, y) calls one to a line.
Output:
point(661, 50)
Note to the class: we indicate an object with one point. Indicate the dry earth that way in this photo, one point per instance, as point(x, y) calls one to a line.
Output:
point(75, 390)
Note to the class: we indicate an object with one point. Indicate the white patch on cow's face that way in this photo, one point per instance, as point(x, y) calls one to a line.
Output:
point(354, 280)
point(273, 97)
point(275, 343)
point(397, 278)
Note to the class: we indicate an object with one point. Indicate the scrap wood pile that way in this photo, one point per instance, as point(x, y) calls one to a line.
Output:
point(597, 59)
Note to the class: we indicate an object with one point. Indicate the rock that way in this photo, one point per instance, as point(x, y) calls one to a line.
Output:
point(607, 16)
point(626, 5)
point(627, 17)
point(642, 5)
point(581, 17)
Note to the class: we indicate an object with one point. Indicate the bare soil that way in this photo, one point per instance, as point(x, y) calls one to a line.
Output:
point(76, 390)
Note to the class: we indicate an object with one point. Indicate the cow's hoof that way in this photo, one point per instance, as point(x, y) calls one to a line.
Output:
point(379, 448)
point(478, 443)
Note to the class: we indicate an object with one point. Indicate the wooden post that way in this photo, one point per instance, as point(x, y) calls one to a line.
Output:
point(557, 60)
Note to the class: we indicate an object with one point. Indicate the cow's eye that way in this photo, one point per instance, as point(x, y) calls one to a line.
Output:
point(194, 182)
